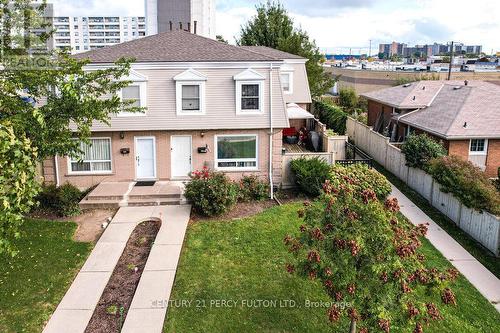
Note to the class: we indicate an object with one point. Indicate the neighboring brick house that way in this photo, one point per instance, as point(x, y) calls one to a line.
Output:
point(207, 104)
point(464, 116)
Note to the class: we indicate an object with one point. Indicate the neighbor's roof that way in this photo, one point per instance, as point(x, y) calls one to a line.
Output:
point(458, 111)
point(296, 112)
point(174, 46)
point(273, 53)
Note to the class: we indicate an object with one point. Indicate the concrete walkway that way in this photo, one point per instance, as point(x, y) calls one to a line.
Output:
point(76, 308)
point(480, 277)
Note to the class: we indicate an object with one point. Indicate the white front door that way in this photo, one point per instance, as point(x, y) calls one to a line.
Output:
point(145, 158)
point(181, 154)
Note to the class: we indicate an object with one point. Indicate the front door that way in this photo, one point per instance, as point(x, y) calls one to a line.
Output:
point(145, 158)
point(181, 152)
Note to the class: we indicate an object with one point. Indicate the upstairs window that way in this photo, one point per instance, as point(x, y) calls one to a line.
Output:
point(190, 98)
point(190, 92)
point(249, 92)
point(250, 97)
point(287, 82)
point(96, 157)
point(478, 146)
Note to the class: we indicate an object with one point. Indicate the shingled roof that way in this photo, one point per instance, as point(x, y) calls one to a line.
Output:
point(174, 46)
point(273, 53)
point(450, 109)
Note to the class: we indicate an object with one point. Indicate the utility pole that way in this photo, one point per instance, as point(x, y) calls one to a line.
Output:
point(451, 60)
point(370, 53)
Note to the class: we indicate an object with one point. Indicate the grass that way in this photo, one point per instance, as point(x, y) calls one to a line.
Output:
point(244, 260)
point(33, 282)
point(484, 256)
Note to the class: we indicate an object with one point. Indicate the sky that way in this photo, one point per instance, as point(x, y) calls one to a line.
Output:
point(343, 26)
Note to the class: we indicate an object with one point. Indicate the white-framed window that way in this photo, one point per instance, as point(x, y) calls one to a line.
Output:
point(190, 97)
point(478, 147)
point(190, 92)
point(287, 82)
point(250, 97)
point(249, 92)
point(136, 93)
point(236, 152)
point(96, 158)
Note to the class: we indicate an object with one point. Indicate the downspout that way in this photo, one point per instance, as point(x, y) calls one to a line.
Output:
point(271, 133)
point(56, 170)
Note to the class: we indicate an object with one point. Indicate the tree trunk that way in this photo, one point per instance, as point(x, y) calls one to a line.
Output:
point(352, 329)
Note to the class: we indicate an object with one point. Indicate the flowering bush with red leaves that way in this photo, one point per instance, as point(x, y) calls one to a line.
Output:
point(364, 253)
point(211, 193)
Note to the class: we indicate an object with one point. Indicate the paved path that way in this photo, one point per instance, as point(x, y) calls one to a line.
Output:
point(484, 281)
point(76, 308)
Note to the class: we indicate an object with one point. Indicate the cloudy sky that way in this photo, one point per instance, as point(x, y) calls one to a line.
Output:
point(338, 25)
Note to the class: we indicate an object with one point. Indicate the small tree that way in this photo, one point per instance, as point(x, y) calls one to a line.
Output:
point(44, 109)
point(367, 257)
point(348, 99)
point(420, 149)
point(273, 27)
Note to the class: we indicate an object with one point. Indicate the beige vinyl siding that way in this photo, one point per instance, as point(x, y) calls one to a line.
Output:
point(220, 104)
point(301, 93)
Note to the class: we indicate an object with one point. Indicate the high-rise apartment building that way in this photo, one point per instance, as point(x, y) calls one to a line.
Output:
point(80, 34)
point(196, 16)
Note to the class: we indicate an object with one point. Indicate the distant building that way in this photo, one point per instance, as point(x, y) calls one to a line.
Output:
point(427, 50)
point(80, 34)
point(196, 16)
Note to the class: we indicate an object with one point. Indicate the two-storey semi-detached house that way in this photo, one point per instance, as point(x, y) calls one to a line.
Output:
point(207, 104)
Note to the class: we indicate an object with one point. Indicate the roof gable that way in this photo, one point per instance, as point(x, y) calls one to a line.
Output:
point(190, 75)
point(248, 75)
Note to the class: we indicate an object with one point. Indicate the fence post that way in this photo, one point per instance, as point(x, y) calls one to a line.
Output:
point(431, 197)
point(459, 219)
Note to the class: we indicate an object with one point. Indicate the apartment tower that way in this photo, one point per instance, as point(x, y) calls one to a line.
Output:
point(196, 16)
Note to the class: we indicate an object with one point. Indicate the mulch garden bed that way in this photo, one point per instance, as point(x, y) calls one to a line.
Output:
point(115, 301)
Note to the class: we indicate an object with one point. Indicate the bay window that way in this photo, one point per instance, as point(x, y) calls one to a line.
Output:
point(236, 152)
point(96, 157)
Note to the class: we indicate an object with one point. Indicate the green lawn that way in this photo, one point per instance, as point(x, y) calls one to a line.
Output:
point(33, 283)
point(244, 260)
point(484, 256)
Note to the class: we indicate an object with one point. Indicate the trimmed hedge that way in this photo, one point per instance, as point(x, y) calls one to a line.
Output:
point(361, 178)
point(332, 116)
point(62, 200)
point(310, 174)
point(420, 149)
point(466, 182)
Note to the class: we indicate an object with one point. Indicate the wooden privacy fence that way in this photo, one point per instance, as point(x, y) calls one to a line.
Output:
point(482, 226)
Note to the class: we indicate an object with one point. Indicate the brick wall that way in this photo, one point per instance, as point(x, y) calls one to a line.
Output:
point(493, 159)
point(374, 109)
point(123, 166)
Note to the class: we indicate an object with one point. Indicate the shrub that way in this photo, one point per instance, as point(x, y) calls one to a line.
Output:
point(332, 116)
point(361, 178)
point(62, 200)
point(420, 149)
point(211, 193)
point(348, 99)
point(310, 174)
point(252, 188)
point(466, 182)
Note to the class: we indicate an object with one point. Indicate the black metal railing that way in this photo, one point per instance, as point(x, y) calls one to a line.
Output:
point(354, 155)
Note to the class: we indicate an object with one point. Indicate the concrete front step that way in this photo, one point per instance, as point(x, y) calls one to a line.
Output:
point(104, 197)
point(113, 204)
point(155, 196)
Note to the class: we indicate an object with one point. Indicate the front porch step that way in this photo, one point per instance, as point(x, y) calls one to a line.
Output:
point(99, 204)
point(155, 196)
point(104, 197)
point(157, 202)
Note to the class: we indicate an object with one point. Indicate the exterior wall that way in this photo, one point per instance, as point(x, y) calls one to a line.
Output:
point(300, 93)
point(220, 94)
point(123, 166)
point(364, 81)
point(493, 159)
point(459, 148)
point(374, 109)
